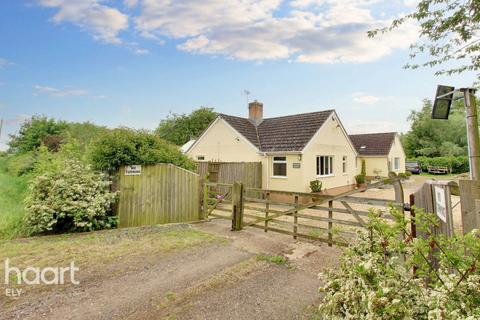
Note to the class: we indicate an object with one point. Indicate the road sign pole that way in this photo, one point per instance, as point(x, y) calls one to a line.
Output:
point(472, 133)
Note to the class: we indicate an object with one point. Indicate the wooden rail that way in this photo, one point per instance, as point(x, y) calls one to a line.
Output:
point(267, 214)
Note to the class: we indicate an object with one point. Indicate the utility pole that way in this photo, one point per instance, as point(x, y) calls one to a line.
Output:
point(472, 132)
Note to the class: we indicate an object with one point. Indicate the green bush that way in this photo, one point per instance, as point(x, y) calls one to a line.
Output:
point(316, 185)
point(402, 175)
point(456, 164)
point(70, 197)
point(20, 164)
point(360, 178)
point(376, 278)
point(129, 147)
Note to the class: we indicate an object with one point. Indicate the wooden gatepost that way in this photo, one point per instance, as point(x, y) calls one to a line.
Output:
point(237, 206)
point(470, 202)
point(435, 197)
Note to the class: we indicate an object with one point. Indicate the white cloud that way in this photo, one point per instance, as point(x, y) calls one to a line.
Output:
point(55, 92)
point(4, 63)
point(141, 51)
point(362, 98)
point(130, 3)
point(411, 3)
point(313, 31)
point(361, 127)
point(102, 21)
point(317, 31)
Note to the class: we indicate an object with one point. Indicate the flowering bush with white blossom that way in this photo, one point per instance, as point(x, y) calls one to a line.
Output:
point(69, 197)
point(388, 274)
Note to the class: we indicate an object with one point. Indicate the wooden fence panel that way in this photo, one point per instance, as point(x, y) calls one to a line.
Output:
point(249, 173)
point(161, 193)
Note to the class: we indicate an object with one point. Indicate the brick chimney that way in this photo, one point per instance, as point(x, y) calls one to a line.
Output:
point(255, 112)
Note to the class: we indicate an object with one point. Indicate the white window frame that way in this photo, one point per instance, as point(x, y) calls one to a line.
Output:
point(330, 166)
point(277, 161)
point(344, 164)
point(396, 163)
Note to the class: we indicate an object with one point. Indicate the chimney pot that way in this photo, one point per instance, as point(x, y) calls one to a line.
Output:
point(255, 112)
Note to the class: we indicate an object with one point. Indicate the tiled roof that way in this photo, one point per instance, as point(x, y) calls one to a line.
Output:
point(373, 144)
point(288, 133)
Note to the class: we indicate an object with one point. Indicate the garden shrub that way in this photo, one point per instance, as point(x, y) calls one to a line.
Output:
point(376, 278)
point(316, 185)
point(69, 197)
point(129, 147)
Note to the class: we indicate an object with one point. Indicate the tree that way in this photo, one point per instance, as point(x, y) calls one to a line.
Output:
point(83, 132)
point(180, 128)
point(35, 131)
point(434, 138)
point(448, 33)
point(125, 146)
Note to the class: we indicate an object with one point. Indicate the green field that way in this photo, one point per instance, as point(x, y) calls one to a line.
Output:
point(12, 193)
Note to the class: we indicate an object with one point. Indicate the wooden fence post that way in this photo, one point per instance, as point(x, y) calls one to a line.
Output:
point(267, 207)
point(237, 206)
point(295, 219)
point(413, 225)
point(205, 200)
point(469, 192)
point(330, 223)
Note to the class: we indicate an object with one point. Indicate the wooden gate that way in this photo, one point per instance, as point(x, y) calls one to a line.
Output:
point(330, 219)
point(158, 194)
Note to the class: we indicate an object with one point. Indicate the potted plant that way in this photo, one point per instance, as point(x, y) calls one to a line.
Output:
point(315, 186)
point(360, 179)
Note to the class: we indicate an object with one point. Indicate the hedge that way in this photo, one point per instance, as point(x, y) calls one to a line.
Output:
point(456, 164)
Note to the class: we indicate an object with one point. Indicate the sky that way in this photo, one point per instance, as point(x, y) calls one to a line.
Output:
point(131, 62)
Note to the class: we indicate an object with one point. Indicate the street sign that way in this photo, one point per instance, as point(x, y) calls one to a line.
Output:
point(440, 204)
point(134, 170)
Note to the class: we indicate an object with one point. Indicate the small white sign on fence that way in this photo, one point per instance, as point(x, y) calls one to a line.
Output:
point(440, 204)
point(134, 170)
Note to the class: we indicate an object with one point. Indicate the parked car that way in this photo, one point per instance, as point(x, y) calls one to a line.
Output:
point(413, 167)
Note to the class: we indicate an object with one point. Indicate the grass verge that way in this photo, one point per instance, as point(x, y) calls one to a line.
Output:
point(98, 254)
point(101, 247)
point(279, 260)
point(12, 192)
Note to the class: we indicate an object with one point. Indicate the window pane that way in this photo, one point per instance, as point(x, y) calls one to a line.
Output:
point(318, 165)
point(331, 165)
point(279, 158)
point(322, 166)
point(280, 169)
point(327, 165)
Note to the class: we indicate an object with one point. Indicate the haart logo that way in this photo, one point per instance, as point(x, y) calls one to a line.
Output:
point(36, 276)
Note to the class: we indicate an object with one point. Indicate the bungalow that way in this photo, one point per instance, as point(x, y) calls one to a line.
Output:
point(293, 150)
point(382, 153)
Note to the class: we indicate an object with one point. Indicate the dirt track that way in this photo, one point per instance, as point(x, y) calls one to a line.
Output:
point(217, 281)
